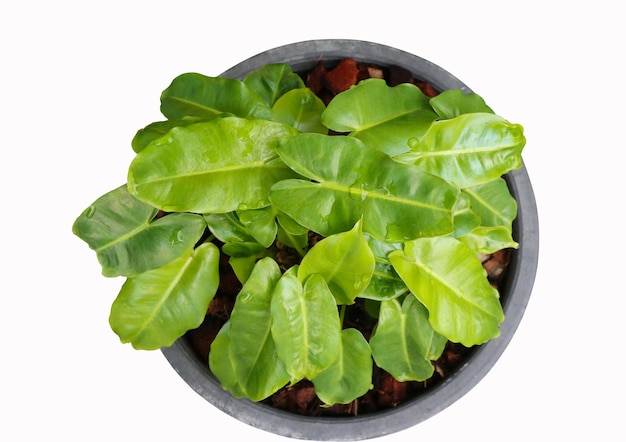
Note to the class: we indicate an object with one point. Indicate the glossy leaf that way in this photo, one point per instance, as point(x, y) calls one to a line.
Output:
point(155, 130)
point(350, 375)
point(216, 166)
point(126, 237)
point(454, 102)
point(448, 278)
point(488, 240)
point(221, 364)
point(292, 234)
point(465, 220)
point(305, 324)
point(384, 284)
point(272, 81)
point(344, 260)
point(404, 343)
point(302, 109)
point(383, 117)
point(244, 256)
point(493, 203)
point(468, 150)
point(348, 180)
point(227, 227)
point(196, 95)
point(258, 370)
point(260, 223)
point(157, 307)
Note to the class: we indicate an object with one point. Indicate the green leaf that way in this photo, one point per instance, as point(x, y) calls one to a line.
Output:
point(220, 363)
point(468, 150)
point(305, 324)
point(344, 260)
point(454, 102)
point(302, 109)
point(488, 240)
point(196, 95)
point(127, 241)
point(448, 278)
point(227, 227)
point(493, 203)
point(244, 226)
point(257, 368)
point(155, 130)
point(398, 202)
point(243, 257)
point(157, 307)
point(216, 166)
point(385, 284)
point(381, 116)
point(272, 81)
point(465, 220)
point(260, 223)
point(350, 376)
point(404, 342)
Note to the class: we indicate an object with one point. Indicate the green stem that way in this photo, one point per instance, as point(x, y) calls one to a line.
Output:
point(342, 314)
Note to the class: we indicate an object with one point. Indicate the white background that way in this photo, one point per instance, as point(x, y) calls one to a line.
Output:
point(79, 78)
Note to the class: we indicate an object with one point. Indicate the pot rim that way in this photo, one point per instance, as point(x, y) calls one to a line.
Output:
point(517, 287)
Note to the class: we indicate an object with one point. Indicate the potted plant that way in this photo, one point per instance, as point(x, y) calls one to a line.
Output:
point(308, 213)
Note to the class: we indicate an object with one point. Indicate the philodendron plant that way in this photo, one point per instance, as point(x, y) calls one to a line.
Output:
point(402, 192)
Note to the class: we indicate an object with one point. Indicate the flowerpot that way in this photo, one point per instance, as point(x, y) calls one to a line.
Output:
point(515, 289)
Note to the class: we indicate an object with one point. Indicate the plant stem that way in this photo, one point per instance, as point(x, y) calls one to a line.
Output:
point(342, 314)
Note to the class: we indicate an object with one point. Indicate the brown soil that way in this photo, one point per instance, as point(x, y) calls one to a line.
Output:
point(387, 392)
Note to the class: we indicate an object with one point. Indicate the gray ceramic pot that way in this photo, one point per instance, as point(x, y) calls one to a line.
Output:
point(515, 292)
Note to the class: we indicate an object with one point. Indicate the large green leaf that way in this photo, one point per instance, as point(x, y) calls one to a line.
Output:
point(157, 307)
point(404, 342)
point(272, 81)
point(302, 109)
point(257, 368)
point(381, 116)
point(344, 260)
point(398, 202)
point(448, 278)
point(126, 238)
point(350, 376)
point(216, 166)
point(305, 324)
point(196, 95)
point(468, 150)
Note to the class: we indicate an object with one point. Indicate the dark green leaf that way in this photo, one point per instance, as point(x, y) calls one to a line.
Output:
point(121, 230)
point(272, 81)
